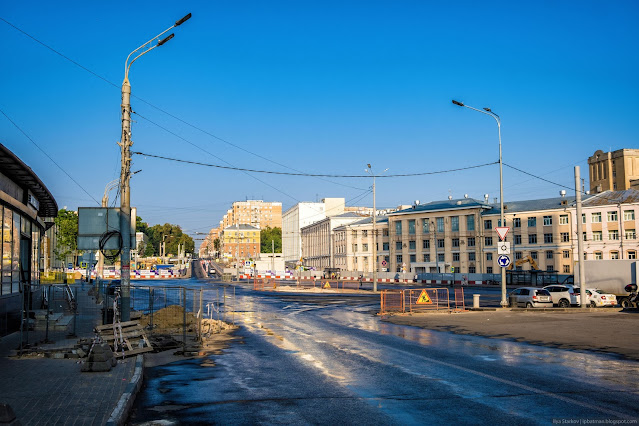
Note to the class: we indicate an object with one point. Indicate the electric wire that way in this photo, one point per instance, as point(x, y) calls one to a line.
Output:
point(48, 156)
point(385, 176)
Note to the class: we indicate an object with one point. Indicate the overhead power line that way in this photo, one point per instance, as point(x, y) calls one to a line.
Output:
point(242, 169)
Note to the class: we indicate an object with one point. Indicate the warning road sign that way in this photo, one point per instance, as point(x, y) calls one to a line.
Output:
point(327, 285)
point(502, 231)
point(423, 299)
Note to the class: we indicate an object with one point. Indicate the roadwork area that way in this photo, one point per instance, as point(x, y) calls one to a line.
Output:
point(604, 330)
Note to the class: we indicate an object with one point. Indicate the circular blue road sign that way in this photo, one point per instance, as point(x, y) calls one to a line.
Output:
point(503, 260)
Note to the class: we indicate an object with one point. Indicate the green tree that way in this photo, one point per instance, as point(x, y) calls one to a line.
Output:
point(269, 234)
point(172, 235)
point(67, 235)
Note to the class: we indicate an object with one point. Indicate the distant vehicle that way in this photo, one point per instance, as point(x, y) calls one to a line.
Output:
point(563, 295)
point(600, 299)
point(610, 276)
point(530, 297)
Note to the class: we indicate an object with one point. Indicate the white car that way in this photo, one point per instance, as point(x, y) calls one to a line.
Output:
point(563, 295)
point(597, 298)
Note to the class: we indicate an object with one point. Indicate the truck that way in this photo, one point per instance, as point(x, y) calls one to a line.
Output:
point(609, 276)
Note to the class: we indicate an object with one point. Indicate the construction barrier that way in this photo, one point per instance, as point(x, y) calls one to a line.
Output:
point(420, 300)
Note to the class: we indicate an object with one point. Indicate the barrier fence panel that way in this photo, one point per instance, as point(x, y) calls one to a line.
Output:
point(427, 299)
point(392, 301)
point(351, 285)
point(306, 283)
point(459, 299)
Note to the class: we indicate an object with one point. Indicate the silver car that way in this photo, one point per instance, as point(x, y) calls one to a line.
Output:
point(530, 297)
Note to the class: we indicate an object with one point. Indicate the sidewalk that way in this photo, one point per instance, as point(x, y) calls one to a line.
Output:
point(43, 390)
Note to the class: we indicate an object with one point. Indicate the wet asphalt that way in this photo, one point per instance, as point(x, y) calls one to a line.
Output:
point(318, 359)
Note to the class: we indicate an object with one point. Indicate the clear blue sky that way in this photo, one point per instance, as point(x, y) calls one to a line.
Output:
point(321, 87)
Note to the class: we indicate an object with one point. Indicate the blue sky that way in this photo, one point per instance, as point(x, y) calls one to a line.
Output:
point(318, 87)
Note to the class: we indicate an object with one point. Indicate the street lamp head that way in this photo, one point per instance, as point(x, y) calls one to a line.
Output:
point(369, 166)
point(458, 103)
point(183, 20)
point(487, 109)
point(164, 40)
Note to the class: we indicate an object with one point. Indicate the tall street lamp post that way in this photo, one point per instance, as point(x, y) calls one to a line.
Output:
point(488, 112)
point(125, 172)
point(370, 171)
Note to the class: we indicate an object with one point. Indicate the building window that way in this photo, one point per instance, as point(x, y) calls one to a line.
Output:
point(385, 246)
point(470, 222)
point(427, 257)
point(533, 255)
point(364, 233)
point(385, 232)
point(398, 245)
point(354, 234)
point(471, 242)
point(632, 254)
point(547, 220)
point(566, 269)
point(471, 256)
point(517, 239)
point(628, 215)
point(489, 269)
point(489, 256)
point(613, 234)
point(412, 245)
point(549, 254)
point(532, 222)
point(532, 239)
point(550, 268)
point(425, 244)
point(398, 227)
point(598, 255)
point(454, 223)
point(455, 242)
point(411, 227)
point(456, 257)
point(488, 224)
point(425, 226)
point(630, 234)
point(518, 255)
point(597, 236)
point(595, 217)
point(584, 236)
point(516, 222)
point(614, 255)
point(547, 238)
point(399, 259)
point(488, 241)
point(612, 216)
point(354, 248)
point(563, 219)
point(440, 243)
point(364, 247)
point(440, 224)
point(471, 269)
point(566, 254)
point(583, 218)
point(565, 237)
point(440, 257)
point(413, 258)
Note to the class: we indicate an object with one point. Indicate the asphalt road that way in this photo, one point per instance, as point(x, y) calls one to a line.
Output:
point(318, 359)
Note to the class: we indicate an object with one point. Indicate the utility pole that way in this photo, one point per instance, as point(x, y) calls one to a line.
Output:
point(125, 170)
point(580, 242)
point(370, 171)
point(273, 256)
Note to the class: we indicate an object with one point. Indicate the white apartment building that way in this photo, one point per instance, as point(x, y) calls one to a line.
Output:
point(354, 245)
point(318, 240)
point(301, 215)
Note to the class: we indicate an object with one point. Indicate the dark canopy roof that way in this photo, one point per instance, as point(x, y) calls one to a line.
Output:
point(12, 167)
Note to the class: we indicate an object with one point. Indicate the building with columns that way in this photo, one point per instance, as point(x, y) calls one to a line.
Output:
point(613, 171)
point(354, 245)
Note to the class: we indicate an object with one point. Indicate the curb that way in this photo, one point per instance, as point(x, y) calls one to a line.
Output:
point(121, 411)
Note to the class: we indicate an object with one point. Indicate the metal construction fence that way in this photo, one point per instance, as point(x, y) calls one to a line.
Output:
point(262, 284)
point(421, 300)
point(170, 315)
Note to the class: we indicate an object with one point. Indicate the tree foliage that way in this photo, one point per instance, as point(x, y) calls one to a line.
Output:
point(269, 234)
point(67, 235)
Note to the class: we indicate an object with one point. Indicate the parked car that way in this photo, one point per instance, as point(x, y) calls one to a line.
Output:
point(598, 298)
point(563, 295)
point(530, 297)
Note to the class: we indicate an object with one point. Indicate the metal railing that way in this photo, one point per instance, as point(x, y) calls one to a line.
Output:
point(420, 300)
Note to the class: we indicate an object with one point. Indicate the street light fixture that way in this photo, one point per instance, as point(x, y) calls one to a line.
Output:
point(370, 171)
point(125, 171)
point(490, 113)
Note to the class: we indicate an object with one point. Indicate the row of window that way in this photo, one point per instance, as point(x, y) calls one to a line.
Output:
point(438, 224)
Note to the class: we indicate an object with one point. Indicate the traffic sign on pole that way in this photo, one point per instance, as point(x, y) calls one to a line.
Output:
point(503, 260)
point(502, 231)
point(503, 247)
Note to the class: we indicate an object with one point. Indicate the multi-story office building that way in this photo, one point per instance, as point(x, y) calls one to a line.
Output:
point(301, 215)
point(240, 242)
point(318, 240)
point(354, 245)
point(256, 213)
point(613, 171)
